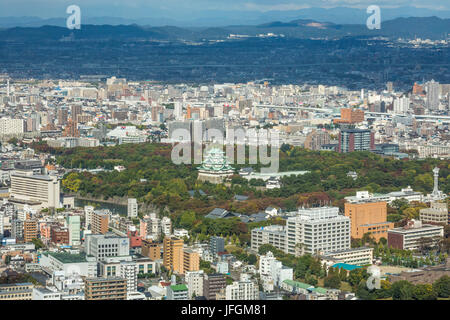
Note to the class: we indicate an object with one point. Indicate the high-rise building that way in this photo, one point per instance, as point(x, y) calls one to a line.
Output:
point(173, 254)
point(151, 249)
point(356, 140)
point(316, 139)
point(317, 230)
point(216, 245)
point(105, 288)
point(212, 284)
point(11, 126)
point(401, 105)
point(194, 282)
point(244, 289)
point(45, 189)
point(74, 227)
point(76, 110)
point(100, 222)
point(63, 116)
point(129, 271)
point(104, 246)
point(433, 91)
point(177, 258)
point(368, 216)
point(132, 208)
point(30, 230)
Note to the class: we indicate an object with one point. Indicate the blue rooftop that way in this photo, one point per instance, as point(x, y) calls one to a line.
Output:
point(346, 266)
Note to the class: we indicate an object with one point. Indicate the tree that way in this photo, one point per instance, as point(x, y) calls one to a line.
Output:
point(251, 259)
point(442, 287)
point(343, 274)
point(424, 292)
point(332, 281)
point(402, 290)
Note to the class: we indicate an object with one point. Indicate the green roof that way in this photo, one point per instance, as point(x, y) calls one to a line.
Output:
point(65, 257)
point(179, 287)
point(320, 290)
point(297, 284)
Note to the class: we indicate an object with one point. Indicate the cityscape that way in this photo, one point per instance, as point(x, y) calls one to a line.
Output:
point(224, 166)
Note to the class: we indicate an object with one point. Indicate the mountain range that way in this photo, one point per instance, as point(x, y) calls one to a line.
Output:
point(430, 27)
point(211, 18)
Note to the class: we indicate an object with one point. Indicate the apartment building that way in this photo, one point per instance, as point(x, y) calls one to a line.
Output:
point(212, 284)
point(113, 288)
point(151, 249)
point(177, 258)
point(30, 230)
point(100, 222)
point(177, 292)
point(244, 289)
point(194, 282)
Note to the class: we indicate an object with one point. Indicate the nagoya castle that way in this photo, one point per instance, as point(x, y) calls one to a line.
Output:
point(215, 167)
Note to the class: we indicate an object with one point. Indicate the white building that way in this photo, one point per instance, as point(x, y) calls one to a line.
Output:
point(46, 293)
point(244, 289)
point(11, 126)
point(129, 271)
point(74, 226)
point(317, 230)
point(132, 208)
point(274, 235)
point(44, 189)
point(273, 269)
point(108, 245)
point(194, 282)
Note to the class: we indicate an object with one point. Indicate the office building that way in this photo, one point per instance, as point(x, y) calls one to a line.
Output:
point(108, 245)
point(415, 235)
point(274, 235)
point(16, 291)
point(317, 230)
point(436, 214)
point(368, 215)
point(44, 189)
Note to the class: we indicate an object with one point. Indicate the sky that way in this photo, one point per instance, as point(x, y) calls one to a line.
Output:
point(180, 8)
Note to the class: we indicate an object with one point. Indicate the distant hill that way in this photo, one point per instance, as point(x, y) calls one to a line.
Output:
point(430, 27)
